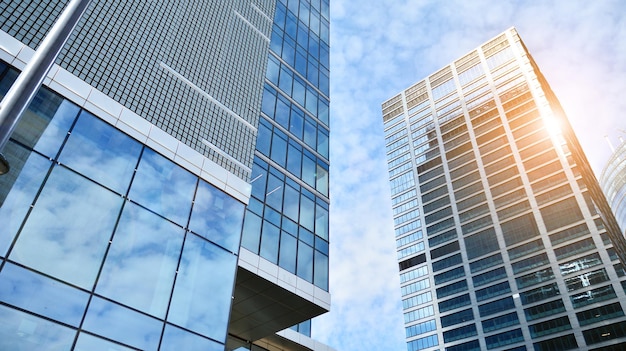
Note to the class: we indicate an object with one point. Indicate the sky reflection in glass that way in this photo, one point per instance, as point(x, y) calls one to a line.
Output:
point(19, 186)
point(141, 264)
point(202, 294)
point(69, 228)
point(88, 342)
point(24, 332)
point(101, 152)
point(217, 216)
point(163, 187)
point(119, 323)
point(176, 339)
point(35, 292)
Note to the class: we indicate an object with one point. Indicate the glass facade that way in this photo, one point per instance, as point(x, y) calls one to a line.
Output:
point(499, 212)
point(286, 221)
point(136, 170)
point(613, 182)
point(107, 243)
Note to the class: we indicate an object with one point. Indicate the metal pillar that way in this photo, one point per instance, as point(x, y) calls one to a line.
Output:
point(28, 82)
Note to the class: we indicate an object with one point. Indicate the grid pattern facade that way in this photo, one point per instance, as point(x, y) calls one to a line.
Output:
point(613, 182)
point(502, 240)
point(194, 68)
point(286, 221)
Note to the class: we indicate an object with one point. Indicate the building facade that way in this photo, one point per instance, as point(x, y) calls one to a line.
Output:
point(164, 130)
point(504, 239)
point(613, 182)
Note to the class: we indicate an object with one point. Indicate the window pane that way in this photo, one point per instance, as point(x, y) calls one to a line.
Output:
point(73, 220)
point(24, 332)
point(88, 342)
point(37, 293)
point(176, 339)
point(45, 123)
point(321, 270)
point(101, 153)
point(305, 262)
point(204, 285)
point(288, 247)
point(163, 187)
point(269, 242)
point(119, 323)
point(18, 189)
point(141, 263)
point(217, 216)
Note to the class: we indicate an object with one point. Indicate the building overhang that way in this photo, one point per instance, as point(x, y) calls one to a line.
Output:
point(268, 299)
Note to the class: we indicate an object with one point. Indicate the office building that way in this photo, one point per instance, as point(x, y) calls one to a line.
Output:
point(504, 239)
point(613, 182)
point(165, 130)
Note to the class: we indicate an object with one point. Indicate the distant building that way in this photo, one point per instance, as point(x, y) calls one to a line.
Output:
point(504, 238)
point(613, 182)
point(166, 129)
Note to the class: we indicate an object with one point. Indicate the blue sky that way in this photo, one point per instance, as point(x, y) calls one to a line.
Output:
point(379, 48)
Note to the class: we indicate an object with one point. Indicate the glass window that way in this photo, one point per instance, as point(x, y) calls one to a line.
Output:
point(288, 251)
point(101, 152)
point(88, 342)
point(125, 325)
point(321, 270)
point(18, 189)
point(457, 318)
point(45, 123)
point(593, 296)
point(141, 263)
point(71, 213)
point(37, 293)
point(269, 242)
point(25, 332)
point(202, 293)
point(217, 216)
point(163, 187)
point(176, 339)
point(250, 237)
point(496, 306)
point(500, 322)
point(305, 262)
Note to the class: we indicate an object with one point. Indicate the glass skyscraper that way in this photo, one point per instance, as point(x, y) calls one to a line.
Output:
point(165, 130)
point(504, 239)
point(613, 182)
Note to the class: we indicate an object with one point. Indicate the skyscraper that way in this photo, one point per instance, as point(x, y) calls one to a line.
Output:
point(162, 127)
point(504, 239)
point(613, 182)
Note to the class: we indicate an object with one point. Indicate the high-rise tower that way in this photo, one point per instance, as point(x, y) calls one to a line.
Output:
point(504, 238)
point(613, 182)
point(163, 125)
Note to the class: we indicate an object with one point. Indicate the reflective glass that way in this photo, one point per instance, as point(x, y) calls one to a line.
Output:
point(18, 189)
point(44, 125)
point(269, 242)
point(321, 270)
point(291, 204)
point(287, 257)
point(322, 180)
point(140, 266)
point(176, 339)
point(68, 229)
point(88, 342)
point(217, 216)
point(163, 187)
point(119, 323)
point(305, 262)
point(101, 152)
point(250, 237)
point(204, 285)
point(307, 212)
point(24, 332)
point(34, 292)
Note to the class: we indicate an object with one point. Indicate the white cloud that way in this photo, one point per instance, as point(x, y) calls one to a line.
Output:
point(379, 48)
